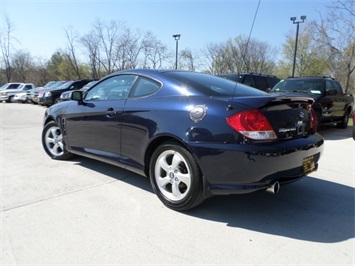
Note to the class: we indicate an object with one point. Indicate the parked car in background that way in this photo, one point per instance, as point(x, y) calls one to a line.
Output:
point(10, 86)
point(65, 96)
point(39, 92)
point(8, 95)
point(192, 134)
point(20, 97)
point(331, 104)
point(259, 81)
point(52, 96)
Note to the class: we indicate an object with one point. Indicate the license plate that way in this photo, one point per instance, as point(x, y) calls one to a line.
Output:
point(309, 165)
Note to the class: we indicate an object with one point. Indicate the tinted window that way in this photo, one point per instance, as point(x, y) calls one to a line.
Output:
point(64, 86)
point(260, 83)
point(13, 86)
point(248, 80)
point(144, 87)
point(234, 77)
point(113, 88)
point(314, 86)
point(328, 85)
point(212, 85)
point(337, 86)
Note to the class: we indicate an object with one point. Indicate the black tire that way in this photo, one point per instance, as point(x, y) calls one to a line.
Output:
point(10, 100)
point(344, 122)
point(56, 100)
point(176, 177)
point(53, 142)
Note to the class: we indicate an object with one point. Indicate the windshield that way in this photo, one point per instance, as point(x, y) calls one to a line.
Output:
point(65, 85)
point(214, 86)
point(314, 86)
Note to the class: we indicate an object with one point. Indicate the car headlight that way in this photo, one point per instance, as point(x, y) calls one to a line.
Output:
point(47, 94)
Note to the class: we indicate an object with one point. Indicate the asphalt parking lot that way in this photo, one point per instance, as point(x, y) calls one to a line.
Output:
point(87, 212)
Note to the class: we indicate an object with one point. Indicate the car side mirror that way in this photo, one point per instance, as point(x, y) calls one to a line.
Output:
point(77, 96)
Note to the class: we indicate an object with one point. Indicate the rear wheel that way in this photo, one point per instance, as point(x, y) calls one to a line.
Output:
point(53, 144)
point(345, 120)
point(176, 177)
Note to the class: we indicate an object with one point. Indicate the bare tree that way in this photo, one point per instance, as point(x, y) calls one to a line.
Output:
point(214, 54)
point(42, 75)
point(7, 46)
point(128, 49)
point(154, 51)
point(91, 43)
point(240, 55)
point(70, 52)
point(108, 36)
point(336, 31)
point(310, 59)
point(22, 64)
point(188, 59)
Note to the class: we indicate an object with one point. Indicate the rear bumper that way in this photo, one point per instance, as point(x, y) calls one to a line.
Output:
point(243, 168)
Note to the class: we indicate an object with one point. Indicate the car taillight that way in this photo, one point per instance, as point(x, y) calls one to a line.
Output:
point(252, 124)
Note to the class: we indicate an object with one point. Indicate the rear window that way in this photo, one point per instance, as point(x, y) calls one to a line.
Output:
point(314, 86)
point(213, 86)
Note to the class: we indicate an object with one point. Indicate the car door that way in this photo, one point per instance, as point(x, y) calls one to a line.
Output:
point(334, 98)
point(94, 127)
point(137, 124)
point(339, 100)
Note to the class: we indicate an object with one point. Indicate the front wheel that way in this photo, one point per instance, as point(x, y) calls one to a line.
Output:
point(10, 100)
point(176, 177)
point(52, 141)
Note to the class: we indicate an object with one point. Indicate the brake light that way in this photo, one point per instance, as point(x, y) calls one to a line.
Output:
point(252, 124)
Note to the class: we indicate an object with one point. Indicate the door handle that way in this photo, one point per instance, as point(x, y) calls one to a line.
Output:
point(110, 112)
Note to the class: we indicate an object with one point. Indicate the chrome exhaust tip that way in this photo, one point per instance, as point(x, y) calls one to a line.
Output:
point(274, 188)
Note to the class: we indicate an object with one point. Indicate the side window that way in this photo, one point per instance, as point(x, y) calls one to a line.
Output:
point(79, 85)
point(260, 83)
point(248, 80)
point(337, 86)
point(113, 88)
point(144, 87)
point(13, 86)
point(328, 85)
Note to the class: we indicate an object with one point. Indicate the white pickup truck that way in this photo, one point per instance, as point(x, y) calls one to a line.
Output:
point(7, 94)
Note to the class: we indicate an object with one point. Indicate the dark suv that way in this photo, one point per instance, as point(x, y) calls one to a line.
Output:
point(331, 104)
point(259, 81)
point(52, 96)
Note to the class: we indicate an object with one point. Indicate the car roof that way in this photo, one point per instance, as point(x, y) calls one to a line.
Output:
point(311, 77)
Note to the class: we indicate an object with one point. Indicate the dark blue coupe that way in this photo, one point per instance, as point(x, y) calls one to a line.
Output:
point(194, 135)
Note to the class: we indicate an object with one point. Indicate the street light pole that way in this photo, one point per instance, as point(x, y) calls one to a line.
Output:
point(177, 38)
point(293, 19)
